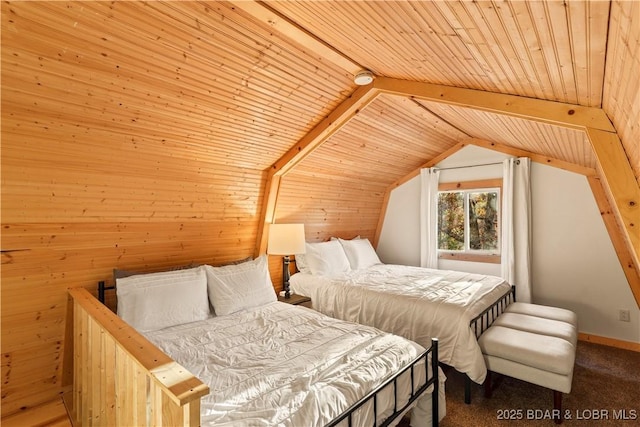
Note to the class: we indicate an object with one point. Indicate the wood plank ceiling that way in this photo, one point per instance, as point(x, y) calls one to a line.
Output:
point(143, 134)
point(546, 50)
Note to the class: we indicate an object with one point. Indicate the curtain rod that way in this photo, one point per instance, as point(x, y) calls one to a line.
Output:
point(470, 166)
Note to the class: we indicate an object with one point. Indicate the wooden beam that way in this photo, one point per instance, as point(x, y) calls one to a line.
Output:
point(613, 228)
point(323, 131)
point(621, 187)
point(362, 97)
point(316, 47)
point(272, 188)
point(557, 113)
point(617, 176)
point(459, 146)
point(538, 158)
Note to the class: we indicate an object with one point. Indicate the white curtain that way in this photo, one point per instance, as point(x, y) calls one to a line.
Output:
point(429, 217)
point(516, 226)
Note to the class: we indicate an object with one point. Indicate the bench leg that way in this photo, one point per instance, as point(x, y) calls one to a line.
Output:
point(557, 406)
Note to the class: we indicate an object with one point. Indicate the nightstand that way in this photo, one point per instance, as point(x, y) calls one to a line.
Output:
point(296, 300)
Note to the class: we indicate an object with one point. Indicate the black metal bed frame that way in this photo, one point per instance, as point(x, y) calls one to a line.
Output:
point(481, 323)
point(397, 412)
point(415, 394)
point(101, 290)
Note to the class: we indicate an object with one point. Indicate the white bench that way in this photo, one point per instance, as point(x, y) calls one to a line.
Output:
point(533, 343)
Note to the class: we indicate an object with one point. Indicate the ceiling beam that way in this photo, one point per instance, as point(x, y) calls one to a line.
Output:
point(538, 158)
point(362, 97)
point(612, 163)
point(539, 110)
point(621, 188)
point(316, 47)
point(623, 252)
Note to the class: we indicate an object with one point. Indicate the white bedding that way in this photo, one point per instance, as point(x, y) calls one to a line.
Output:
point(285, 365)
point(414, 302)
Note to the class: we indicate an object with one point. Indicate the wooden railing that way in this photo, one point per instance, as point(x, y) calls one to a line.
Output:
point(120, 378)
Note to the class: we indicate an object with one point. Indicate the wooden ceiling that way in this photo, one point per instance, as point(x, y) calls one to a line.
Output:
point(547, 50)
point(246, 87)
point(244, 84)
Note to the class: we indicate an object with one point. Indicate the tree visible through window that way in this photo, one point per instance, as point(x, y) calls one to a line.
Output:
point(468, 220)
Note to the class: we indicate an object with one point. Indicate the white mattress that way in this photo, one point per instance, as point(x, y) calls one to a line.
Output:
point(414, 302)
point(286, 365)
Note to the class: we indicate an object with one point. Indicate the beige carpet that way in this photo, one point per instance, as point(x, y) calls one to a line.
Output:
point(605, 392)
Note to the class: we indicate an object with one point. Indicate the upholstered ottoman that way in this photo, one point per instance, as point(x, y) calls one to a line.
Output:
point(533, 343)
point(544, 311)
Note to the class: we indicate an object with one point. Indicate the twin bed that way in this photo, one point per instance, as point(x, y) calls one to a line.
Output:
point(346, 280)
point(213, 346)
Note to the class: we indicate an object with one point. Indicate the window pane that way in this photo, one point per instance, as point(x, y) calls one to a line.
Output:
point(451, 221)
point(483, 221)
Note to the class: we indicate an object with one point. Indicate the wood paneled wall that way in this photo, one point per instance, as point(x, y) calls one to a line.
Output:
point(133, 137)
point(64, 229)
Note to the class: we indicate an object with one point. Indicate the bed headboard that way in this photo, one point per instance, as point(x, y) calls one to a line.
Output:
point(102, 288)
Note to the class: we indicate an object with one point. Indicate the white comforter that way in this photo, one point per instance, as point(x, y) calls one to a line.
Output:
point(285, 365)
point(414, 302)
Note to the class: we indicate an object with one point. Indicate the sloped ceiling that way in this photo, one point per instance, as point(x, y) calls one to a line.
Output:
point(554, 51)
point(241, 84)
point(548, 50)
point(222, 78)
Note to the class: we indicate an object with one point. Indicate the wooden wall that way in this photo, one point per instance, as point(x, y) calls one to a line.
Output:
point(125, 146)
point(68, 225)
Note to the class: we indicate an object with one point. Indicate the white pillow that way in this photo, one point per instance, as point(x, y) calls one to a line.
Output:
point(326, 258)
point(158, 300)
point(360, 253)
point(337, 238)
point(301, 263)
point(236, 287)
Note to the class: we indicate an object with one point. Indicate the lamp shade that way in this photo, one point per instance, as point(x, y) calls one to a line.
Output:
point(286, 239)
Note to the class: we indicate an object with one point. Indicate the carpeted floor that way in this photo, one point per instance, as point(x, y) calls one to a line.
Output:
point(605, 392)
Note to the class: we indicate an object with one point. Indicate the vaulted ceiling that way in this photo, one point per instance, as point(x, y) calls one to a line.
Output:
point(245, 84)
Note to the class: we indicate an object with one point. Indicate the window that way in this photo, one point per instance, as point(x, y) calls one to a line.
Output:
point(469, 220)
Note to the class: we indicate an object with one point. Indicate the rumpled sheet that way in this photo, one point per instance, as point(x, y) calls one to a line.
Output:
point(284, 365)
point(414, 302)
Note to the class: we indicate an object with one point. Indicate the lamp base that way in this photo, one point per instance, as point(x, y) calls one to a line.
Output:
point(286, 275)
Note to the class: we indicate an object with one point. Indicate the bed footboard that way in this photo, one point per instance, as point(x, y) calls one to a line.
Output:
point(430, 380)
point(118, 377)
point(481, 323)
